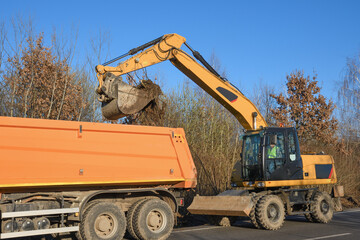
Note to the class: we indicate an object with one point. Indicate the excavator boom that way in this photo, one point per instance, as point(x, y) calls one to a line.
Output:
point(120, 100)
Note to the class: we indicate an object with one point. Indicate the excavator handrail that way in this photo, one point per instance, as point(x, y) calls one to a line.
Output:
point(168, 48)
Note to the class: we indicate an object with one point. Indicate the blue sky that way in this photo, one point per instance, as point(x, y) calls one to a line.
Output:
point(255, 41)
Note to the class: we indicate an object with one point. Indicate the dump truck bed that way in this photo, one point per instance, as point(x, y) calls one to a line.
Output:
point(37, 153)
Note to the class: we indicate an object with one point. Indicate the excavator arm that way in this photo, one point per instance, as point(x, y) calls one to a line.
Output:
point(120, 100)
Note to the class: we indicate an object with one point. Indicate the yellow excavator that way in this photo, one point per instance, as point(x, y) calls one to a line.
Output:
point(271, 178)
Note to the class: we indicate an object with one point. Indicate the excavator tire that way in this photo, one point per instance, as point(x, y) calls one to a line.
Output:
point(322, 208)
point(270, 212)
point(252, 214)
point(153, 219)
point(130, 217)
point(308, 216)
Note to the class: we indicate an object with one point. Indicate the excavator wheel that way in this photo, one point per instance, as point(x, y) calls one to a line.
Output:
point(270, 212)
point(308, 216)
point(322, 208)
point(252, 214)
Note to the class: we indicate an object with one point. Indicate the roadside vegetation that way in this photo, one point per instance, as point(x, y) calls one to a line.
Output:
point(39, 79)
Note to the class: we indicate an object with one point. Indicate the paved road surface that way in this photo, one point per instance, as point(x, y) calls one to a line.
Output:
point(345, 225)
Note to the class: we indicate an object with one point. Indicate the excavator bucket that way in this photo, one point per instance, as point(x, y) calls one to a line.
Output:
point(223, 205)
point(119, 99)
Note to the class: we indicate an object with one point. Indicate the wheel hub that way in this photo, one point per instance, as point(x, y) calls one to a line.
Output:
point(324, 206)
point(104, 225)
point(272, 212)
point(156, 221)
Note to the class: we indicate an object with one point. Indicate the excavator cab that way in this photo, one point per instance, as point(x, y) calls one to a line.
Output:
point(268, 155)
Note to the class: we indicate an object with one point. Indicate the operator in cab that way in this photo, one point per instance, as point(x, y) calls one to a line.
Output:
point(274, 153)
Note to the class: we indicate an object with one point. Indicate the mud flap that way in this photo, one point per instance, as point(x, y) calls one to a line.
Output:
point(119, 99)
point(221, 205)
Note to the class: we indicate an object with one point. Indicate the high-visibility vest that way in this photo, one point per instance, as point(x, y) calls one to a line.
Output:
point(272, 152)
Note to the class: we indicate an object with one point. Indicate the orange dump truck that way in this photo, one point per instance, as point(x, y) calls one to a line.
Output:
point(98, 179)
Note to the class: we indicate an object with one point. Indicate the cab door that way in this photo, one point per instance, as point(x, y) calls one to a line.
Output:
point(293, 164)
point(282, 155)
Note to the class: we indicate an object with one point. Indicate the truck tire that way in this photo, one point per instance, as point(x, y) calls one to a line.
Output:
point(322, 208)
point(252, 214)
point(270, 212)
point(130, 218)
point(103, 221)
point(153, 219)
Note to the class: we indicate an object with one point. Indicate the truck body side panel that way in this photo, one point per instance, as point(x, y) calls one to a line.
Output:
point(42, 153)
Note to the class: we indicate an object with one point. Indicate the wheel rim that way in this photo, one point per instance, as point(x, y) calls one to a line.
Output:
point(156, 220)
point(273, 212)
point(324, 207)
point(105, 225)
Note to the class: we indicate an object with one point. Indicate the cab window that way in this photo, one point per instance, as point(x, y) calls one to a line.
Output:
point(274, 151)
point(292, 146)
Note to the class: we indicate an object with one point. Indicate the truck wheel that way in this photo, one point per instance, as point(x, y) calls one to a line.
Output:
point(130, 217)
point(252, 215)
point(153, 219)
point(322, 208)
point(270, 212)
point(103, 221)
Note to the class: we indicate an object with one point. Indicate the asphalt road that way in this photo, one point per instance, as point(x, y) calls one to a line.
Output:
point(345, 225)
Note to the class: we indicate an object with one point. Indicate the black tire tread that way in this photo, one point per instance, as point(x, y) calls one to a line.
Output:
point(308, 216)
point(252, 214)
point(261, 212)
point(81, 234)
point(130, 217)
point(316, 214)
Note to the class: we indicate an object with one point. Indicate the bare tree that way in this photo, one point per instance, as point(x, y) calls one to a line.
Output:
point(97, 54)
point(262, 99)
point(33, 75)
point(349, 99)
